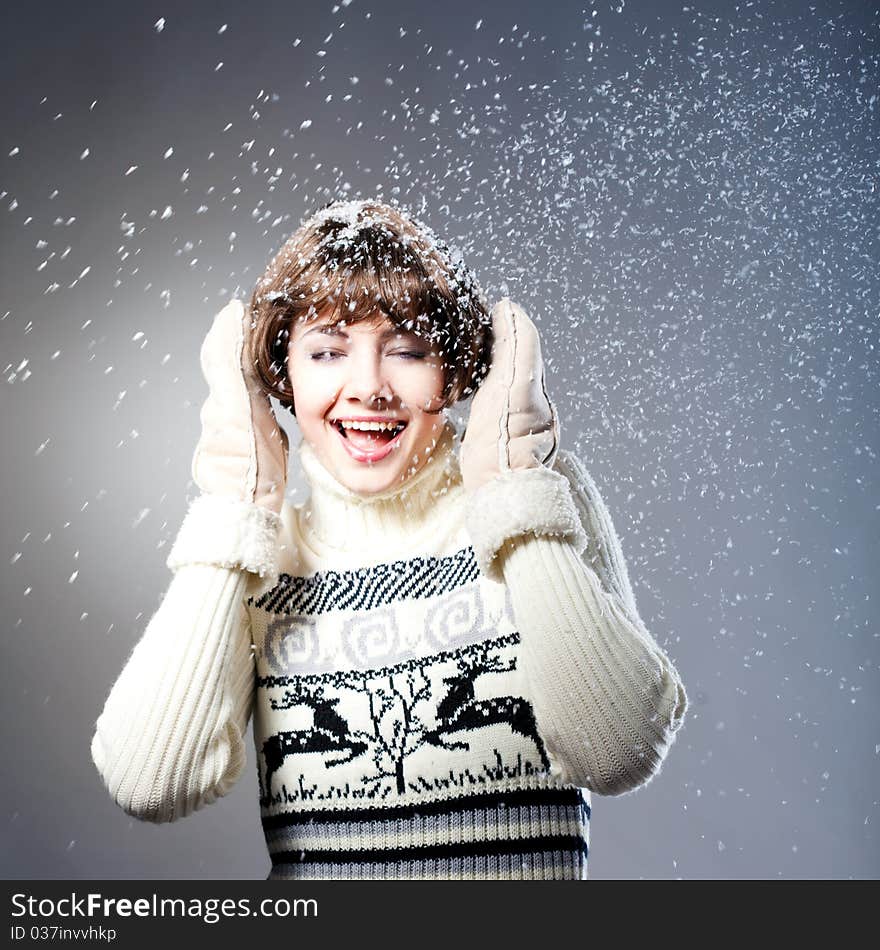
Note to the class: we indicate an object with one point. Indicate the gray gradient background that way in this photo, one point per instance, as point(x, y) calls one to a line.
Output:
point(689, 212)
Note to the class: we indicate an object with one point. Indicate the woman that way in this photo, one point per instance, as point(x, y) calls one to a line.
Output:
point(440, 647)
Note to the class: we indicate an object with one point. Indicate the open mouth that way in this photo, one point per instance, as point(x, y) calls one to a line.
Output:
point(370, 441)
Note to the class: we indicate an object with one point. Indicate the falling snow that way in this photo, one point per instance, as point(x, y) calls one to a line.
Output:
point(687, 207)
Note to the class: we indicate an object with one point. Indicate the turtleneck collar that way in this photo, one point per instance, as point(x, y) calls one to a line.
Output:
point(336, 519)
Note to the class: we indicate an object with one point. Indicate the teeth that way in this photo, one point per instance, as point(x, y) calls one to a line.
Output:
point(368, 426)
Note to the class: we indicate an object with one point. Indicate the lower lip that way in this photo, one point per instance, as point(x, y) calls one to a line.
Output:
point(359, 455)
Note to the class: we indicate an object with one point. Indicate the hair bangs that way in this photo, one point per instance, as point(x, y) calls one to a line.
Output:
point(360, 261)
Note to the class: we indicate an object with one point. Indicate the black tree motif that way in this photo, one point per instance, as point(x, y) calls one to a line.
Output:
point(398, 731)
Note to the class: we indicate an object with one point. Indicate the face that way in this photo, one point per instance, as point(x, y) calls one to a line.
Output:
point(349, 376)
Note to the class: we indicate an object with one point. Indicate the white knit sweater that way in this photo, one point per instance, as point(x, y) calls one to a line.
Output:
point(437, 681)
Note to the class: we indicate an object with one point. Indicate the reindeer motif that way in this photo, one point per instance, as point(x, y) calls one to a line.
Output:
point(459, 709)
point(330, 732)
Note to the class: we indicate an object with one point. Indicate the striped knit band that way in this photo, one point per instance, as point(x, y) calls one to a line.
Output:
point(528, 834)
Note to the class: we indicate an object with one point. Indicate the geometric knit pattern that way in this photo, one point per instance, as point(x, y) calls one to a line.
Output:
point(369, 587)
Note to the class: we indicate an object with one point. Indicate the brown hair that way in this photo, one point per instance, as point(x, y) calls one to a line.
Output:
point(365, 260)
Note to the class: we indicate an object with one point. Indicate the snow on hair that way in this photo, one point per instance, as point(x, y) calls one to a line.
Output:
point(356, 260)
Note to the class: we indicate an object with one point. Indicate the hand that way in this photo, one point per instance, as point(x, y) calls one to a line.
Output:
point(512, 425)
point(242, 452)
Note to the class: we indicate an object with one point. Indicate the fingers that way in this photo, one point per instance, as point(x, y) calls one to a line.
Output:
point(223, 343)
point(502, 322)
point(517, 364)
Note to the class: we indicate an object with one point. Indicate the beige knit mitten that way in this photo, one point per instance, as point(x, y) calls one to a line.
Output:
point(513, 424)
point(242, 452)
point(240, 461)
point(510, 446)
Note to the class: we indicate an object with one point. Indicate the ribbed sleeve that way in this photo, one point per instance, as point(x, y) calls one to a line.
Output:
point(171, 736)
point(608, 701)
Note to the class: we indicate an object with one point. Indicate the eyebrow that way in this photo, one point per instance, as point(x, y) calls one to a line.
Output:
point(328, 331)
point(335, 331)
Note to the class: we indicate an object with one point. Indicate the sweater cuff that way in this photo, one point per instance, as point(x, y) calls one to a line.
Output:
point(228, 532)
point(524, 501)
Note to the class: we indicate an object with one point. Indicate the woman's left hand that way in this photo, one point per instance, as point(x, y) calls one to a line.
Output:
point(513, 424)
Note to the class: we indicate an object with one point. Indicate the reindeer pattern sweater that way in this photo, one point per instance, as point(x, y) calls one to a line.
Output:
point(437, 681)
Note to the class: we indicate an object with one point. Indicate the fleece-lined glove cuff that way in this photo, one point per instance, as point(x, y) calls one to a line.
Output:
point(528, 501)
point(229, 533)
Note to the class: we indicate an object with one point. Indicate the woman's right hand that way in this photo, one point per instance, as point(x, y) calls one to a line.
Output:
point(242, 452)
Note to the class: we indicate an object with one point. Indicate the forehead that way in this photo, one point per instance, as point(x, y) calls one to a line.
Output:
point(321, 328)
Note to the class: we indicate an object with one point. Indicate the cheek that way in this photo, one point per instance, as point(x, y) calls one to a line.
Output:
point(313, 387)
point(421, 386)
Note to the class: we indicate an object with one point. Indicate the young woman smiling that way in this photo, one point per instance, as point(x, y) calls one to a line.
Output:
point(367, 394)
point(440, 647)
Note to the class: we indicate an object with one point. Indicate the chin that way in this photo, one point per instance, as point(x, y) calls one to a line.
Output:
point(371, 482)
point(368, 490)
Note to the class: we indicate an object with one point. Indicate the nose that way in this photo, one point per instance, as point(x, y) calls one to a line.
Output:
point(367, 382)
